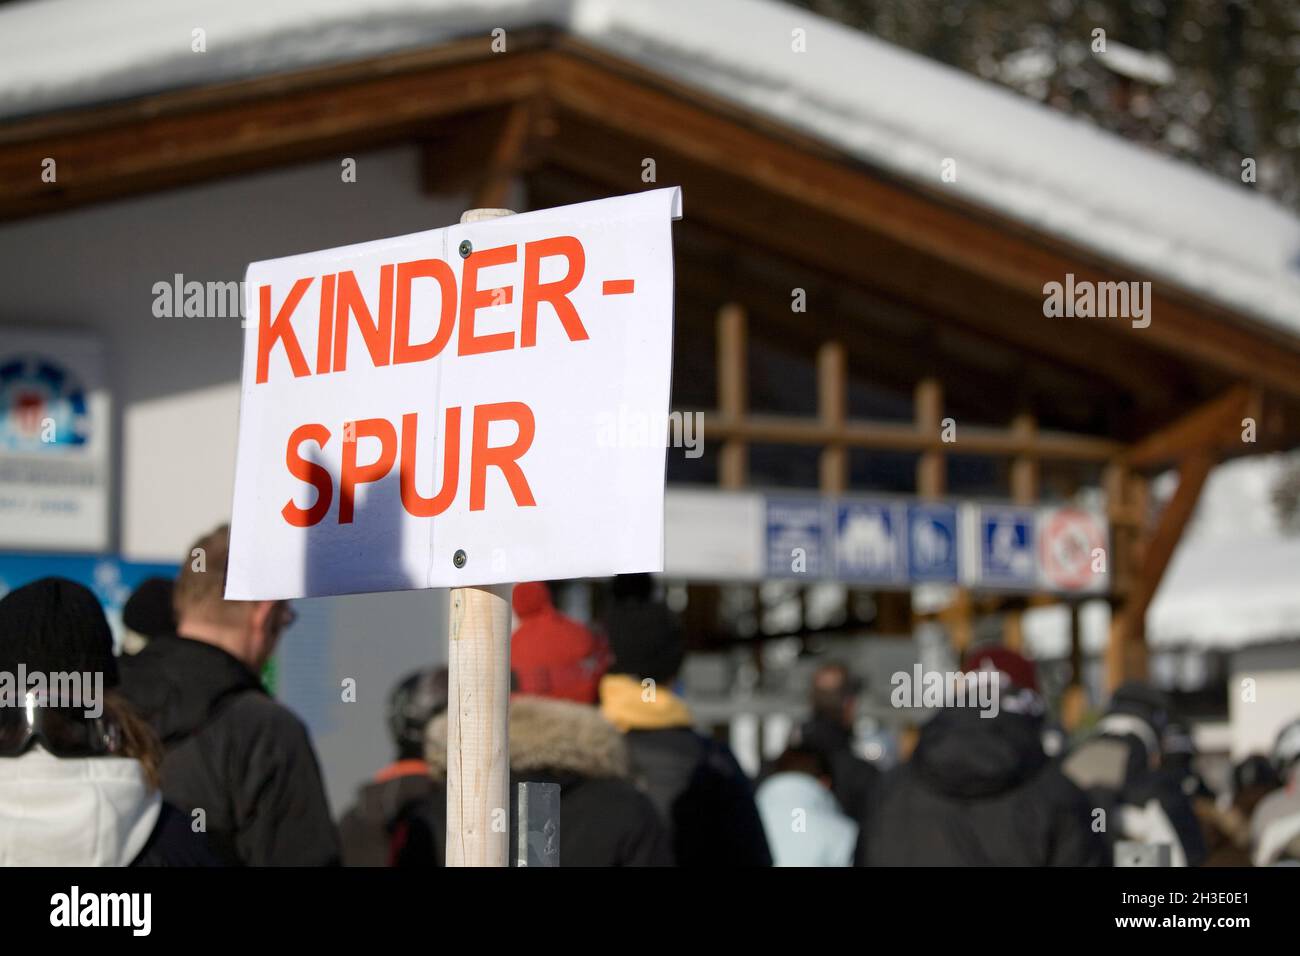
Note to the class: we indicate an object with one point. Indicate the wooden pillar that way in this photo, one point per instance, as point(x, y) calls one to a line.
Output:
point(1126, 655)
point(1024, 467)
point(505, 158)
point(1126, 510)
point(931, 477)
point(1115, 481)
point(733, 393)
point(1074, 700)
point(832, 409)
point(893, 612)
point(931, 482)
point(478, 744)
point(1013, 628)
point(1024, 491)
point(959, 619)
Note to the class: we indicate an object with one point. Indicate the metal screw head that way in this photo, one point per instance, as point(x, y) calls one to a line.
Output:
point(465, 248)
point(459, 558)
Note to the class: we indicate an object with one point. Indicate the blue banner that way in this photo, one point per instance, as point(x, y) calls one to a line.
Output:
point(112, 579)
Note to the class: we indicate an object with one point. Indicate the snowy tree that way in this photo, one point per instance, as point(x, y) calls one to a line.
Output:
point(1209, 81)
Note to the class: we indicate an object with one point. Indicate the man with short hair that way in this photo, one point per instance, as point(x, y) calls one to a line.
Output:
point(232, 751)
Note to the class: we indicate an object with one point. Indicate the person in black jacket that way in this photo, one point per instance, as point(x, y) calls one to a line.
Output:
point(980, 791)
point(1123, 767)
point(604, 819)
point(375, 827)
point(231, 750)
point(78, 769)
point(699, 789)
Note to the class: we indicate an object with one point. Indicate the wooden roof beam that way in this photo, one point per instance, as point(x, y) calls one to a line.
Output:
point(1212, 427)
point(183, 137)
point(962, 261)
point(907, 437)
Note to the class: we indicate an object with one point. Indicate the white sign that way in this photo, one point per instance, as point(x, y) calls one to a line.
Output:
point(1072, 550)
point(712, 535)
point(432, 410)
point(54, 442)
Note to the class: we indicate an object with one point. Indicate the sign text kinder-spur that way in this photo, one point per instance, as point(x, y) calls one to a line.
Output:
point(413, 417)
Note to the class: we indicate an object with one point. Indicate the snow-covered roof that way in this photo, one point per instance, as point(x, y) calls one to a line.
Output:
point(876, 102)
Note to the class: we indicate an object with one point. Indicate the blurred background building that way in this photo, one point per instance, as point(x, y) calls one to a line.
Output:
point(902, 453)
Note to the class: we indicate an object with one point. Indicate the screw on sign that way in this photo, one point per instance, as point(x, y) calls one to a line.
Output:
point(1067, 542)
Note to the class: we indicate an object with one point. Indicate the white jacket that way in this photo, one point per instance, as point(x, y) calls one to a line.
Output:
point(92, 811)
point(803, 822)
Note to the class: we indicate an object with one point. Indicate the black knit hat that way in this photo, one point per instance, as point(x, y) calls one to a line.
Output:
point(148, 611)
point(55, 625)
point(645, 636)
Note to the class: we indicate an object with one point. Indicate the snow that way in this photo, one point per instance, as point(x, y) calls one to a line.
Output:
point(1235, 578)
point(882, 105)
point(1232, 593)
point(1151, 68)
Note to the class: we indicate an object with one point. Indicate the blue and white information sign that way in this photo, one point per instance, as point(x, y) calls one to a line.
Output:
point(897, 542)
point(796, 537)
point(1005, 543)
point(870, 542)
point(932, 542)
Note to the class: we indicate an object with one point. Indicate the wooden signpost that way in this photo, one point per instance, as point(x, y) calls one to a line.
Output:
point(428, 411)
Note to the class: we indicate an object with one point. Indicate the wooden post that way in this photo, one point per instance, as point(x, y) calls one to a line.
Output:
point(1013, 628)
point(932, 482)
point(1125, 526)
point(733, 461)
point(1126, 655)
point(1024, 467)
point(1024, 491)
point(832, 409)
point(478, 744)
point(959, 619)
point(931, 472)
point(478, 712)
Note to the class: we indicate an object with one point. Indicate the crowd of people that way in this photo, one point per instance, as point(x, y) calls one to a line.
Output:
point(190, 762)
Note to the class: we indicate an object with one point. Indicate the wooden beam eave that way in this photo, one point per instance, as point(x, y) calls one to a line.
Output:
point(187, 136)
point(1213, 427)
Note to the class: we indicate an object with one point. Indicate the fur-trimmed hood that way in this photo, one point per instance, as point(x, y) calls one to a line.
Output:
point(547, 736)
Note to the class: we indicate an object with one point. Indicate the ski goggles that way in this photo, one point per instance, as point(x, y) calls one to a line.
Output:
point(63, 731)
